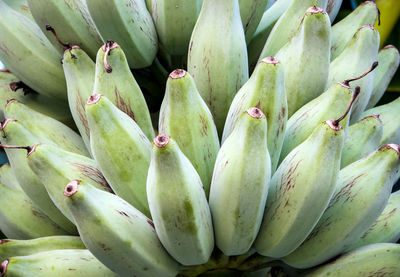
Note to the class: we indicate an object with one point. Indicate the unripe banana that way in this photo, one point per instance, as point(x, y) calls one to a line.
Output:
point(120, 149)
point(251, 13)
point(186, 118)
point(332, 8)
point(7, 177)
point(115, 81)
point(242, 171)
point(310, 45)
point(343, 31)
point(131, 249)
point(130, 24)
point(362, 138)
point(28, 54)
point(389, 60)
point(12, 248)
point(361, 194)
point(217, 57)
point(266, 91)
point(65, 262)
point(20, 6)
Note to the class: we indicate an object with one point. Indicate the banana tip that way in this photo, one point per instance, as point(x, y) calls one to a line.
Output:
point(3, 267)
point(177, 73)
point(71, 188)
point(315, 10)
point(93, 99)
point(270, 60)
point(161, 140)
point(392, 146)
point(3, 241)
point(4, 123)
point(255, 113)
point(31, 149)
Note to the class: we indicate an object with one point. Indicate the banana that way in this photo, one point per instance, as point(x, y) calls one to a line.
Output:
point(362, 138)
point(389, 60)
point(380, 259)
point(309, 46)
point(64, 262)
point(239, 186)
point(79, 72)
point(130, 24)
point(332, 8)
point(28, 54)
point(120, 149)
point(390, 117)
point(71, 21)
point(343, 31)
point(114, 80)
point(267, 22)
point(21, 219)
point(287, 25)
point(251, 13)
point(357, 57)
point(11, 247)
point(20, 6)
point(386, 228)
point(55, 167)
point(217, 57)
point(131, 249)
point(149, 5)
point(361, 194)
point(266, 91)
point(186, 118)
point(174, 22)
point(184, 229)
point(7, 177)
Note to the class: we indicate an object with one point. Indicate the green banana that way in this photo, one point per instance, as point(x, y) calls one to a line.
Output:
point(28, 54)
point(361, 194)
point(149, 5)
point(390, 117)
point(130, 24)
point(21, 219)
point(217, 57)
point(343, 31)
point(357, 57)
point(72, 22)
point(120, 149)
point(20, 6)
point(389, 60)
point(186, 118)
point(114, 80)
point(266, 91)
point(7, 177)
point(386, 228)
point(251, 13)
point(242, 172)
point(79, 72)
point(11, 248)
point(131, 249)
point(332, 8)
point(310, 45)
point(184, 229)
point(174, 22)
point(362, 138)
point(380, 259)
point(64, 262)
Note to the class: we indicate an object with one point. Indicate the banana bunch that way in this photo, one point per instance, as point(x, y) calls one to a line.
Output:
point(197, 138)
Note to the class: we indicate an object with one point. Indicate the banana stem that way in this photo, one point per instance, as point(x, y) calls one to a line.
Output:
point(353, 98)
point(347, 82)
point(51, 29)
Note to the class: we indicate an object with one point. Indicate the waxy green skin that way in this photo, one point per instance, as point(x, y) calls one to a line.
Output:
point(21, 219)
point(131, 249)
point(300, 191)
point(185, 229)
point(362, 138)
point(121, 88)
point(362, 192)
point(386, 228)
point(251, 13)
point(389, 60)
point(240, 185)
point(20, 6)
point(12, 248)
point(64, 262)
point(305, 59)
point(343, 31)
point(358, 56)
point(330, 104)
point(380, 259)
point(46, 127)
point(15, 134)
point(121, 151)
point(56, 167)
point(265, 90)
point(7, 176)
point(79, 70)
point(218, 46)
point(287, 25)
point(333, 8)
point(24, 59)
point(390, 116)
point(130, 24)
point(71, 21)
point(186, 118)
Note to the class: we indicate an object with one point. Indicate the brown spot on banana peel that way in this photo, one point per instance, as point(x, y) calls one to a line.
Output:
point(80, 108)
point(3, 267)
point(204, 127)
point(384, 217)
point(107, 47)
point(93, 174)
point(71, 188)
point(344, 192)
point(122, 105)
